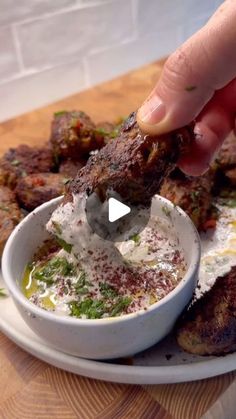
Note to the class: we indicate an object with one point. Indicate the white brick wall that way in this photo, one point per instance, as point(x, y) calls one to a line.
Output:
point(53, 48)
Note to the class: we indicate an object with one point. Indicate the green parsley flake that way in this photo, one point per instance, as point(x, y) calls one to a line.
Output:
point(57, 227)
point(101, 131)
point(114, 133)
point(95, 309)
point(66, 180)
point(194, 195)
point(2, 292)
point(4, 208)
point(136, 238)
point(57, 266)
point(107, 290)
point(231, 203)
point(92, 309)
point(15, 162)
point(122, 303)
point(190, 88)
point(66, 246)
point(59, 113)
point(81, 286)
point(166, 210)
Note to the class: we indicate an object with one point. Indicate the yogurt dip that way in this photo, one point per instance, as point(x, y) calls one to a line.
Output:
point(94, 278)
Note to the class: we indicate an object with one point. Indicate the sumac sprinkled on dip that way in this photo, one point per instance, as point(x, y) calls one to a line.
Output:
point(91, 278)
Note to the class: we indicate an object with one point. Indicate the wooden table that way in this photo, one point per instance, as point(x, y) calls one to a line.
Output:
point(30, 388)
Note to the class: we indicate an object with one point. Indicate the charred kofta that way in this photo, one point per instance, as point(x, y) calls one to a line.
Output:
point(226, 157)
point(22, 161)
point(208, 327)
point(231, 176)
point(10, 214)
point(133, 164)
point(192, 194)
point(73, 135)
point(225, 163)
point(33, 190)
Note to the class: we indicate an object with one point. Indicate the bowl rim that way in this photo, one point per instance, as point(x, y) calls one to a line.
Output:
point(15, 291)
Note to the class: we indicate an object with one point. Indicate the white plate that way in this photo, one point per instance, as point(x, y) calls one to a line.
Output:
point(163, 363)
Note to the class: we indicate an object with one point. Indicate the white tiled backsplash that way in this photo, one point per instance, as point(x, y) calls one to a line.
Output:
point(50, 49)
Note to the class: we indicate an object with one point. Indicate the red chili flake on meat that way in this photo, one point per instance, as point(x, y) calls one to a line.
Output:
point(38, 181)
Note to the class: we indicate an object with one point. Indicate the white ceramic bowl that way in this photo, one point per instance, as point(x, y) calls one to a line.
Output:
point(99, 338)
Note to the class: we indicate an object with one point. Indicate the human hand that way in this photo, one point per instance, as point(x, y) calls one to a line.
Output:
point(198, 82)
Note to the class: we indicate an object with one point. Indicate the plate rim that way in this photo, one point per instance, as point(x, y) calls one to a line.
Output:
point(118, 373)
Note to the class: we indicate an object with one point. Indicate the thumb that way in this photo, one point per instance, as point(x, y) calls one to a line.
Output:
point(192, 74)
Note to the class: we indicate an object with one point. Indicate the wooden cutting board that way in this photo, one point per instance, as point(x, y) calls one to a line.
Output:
point(107, 101)
point(30, 388)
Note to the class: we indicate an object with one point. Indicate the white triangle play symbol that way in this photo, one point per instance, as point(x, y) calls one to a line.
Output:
point(116, 210)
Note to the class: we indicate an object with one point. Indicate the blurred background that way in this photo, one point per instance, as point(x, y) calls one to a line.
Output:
point(50, 49)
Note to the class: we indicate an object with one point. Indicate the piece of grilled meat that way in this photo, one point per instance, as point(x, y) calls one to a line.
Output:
point(106, 131)
point(208, 327)
point(133, 164)
point(225, 163)
point(73, 135)
point(24, 160)
point(69, 168)
point(231, 176)
point(10, 214)
point(192, 194)
point(33, 190)
point(226, 157)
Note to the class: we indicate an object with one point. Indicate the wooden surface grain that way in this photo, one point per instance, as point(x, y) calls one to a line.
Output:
point(30, 388)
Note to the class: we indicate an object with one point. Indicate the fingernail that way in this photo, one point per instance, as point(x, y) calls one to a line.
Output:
point(152, 111)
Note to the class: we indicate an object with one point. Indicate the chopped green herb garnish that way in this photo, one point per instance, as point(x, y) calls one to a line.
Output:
point(66, 180)
point(101, 131)
point(166, 210)
point(65, 290)
point(122, 303)
point(111, 134)
point(82, 290)
point(56, 266)
point(196, 212)
point(74, 122)
point(230, 203)
point(66, 246)
point(57, 227)
point(114, 133)
point(228, 193)
point(2, 292)
point(4, 208)
point(82, 278)
point(92, 309)
point(59, 113)
point(107, 290)
point(190, 88)
point(81, 286)
point(95, 309)
point(194, 194)
point(15, 162)
point(136, 238)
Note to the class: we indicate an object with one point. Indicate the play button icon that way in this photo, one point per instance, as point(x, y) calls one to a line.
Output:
point(116, 210)
point(112, 218)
